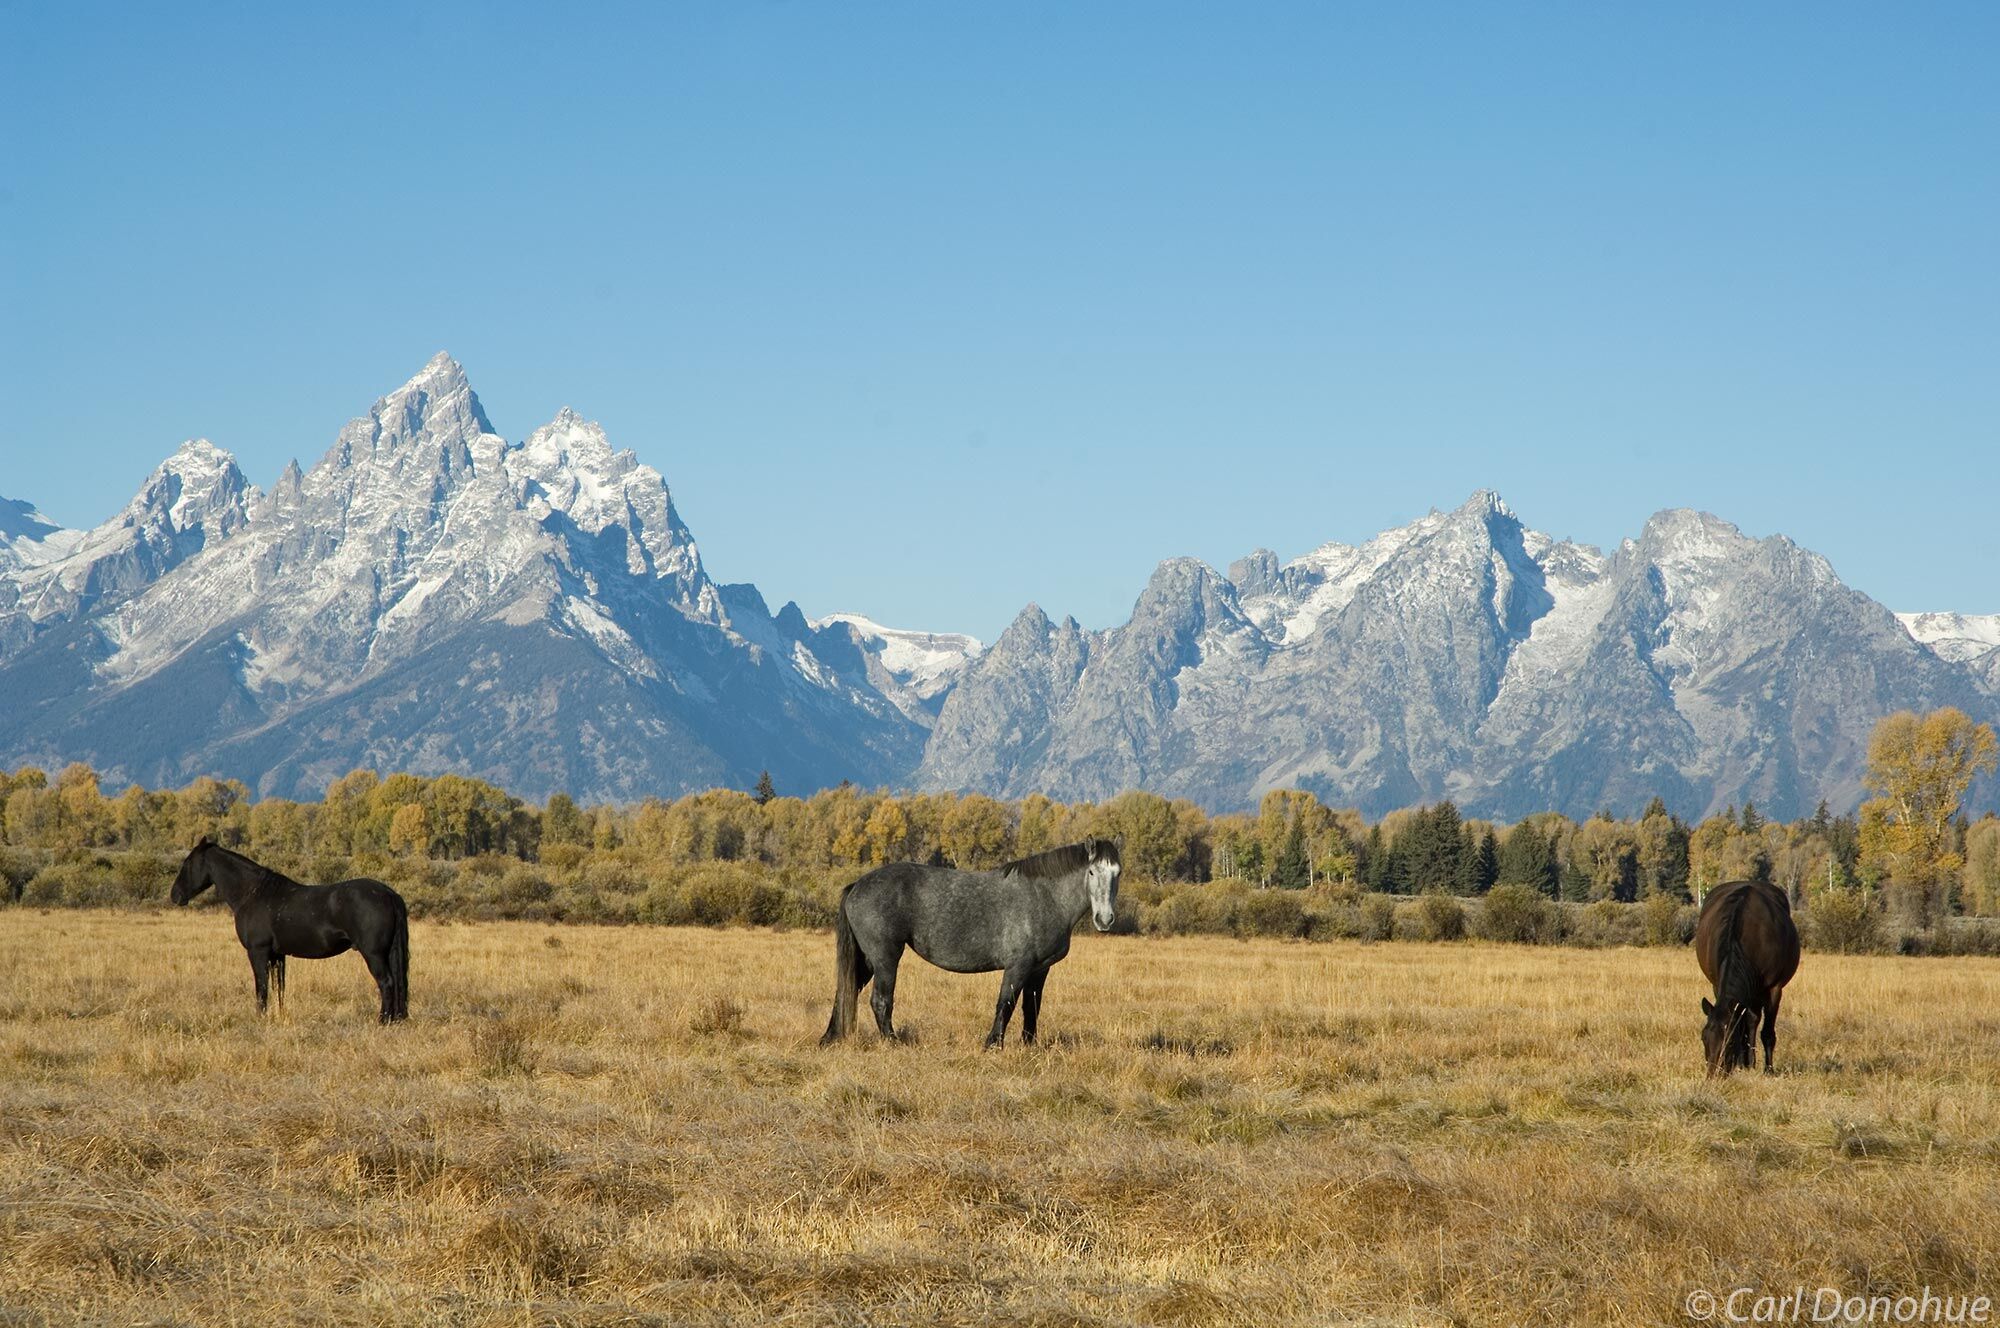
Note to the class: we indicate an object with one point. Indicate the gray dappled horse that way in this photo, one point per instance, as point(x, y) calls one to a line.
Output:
point(1016, 919)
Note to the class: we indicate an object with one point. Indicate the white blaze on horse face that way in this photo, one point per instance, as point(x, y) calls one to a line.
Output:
point(1103, 879)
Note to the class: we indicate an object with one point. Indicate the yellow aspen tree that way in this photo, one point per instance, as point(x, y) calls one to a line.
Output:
point(1919, 768)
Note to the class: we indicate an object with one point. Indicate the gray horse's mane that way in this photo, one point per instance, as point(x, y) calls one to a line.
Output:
point(1060, 861)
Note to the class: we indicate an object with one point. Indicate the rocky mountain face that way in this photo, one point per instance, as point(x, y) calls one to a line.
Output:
point(429, 597)
point(1462, 656)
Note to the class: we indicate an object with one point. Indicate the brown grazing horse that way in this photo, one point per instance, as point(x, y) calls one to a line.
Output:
point(1749, 949)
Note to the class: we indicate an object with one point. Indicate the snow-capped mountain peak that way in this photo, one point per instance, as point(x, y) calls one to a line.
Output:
point(194, 498)
point(566, 473)
point(1464, 655)
point(428, 596)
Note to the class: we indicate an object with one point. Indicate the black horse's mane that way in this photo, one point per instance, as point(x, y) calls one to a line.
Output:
point(1061, 861)
point(249, 865)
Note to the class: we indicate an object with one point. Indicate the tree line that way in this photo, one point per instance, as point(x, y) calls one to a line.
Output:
point(1909, 847)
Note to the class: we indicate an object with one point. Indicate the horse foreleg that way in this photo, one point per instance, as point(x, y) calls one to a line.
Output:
point(1031, 1004)
point(278, 979)
point(1771, 1000)
point(1011, 983)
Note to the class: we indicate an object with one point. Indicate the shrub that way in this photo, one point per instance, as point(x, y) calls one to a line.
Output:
point(1195, 910)
point(1440, 917)
point(522, 891)
point(1605, 922)
point(488, 865)
point(1272, 913)
point(143, 876)
point(563, 857)
point(1966, 936)
point(1519, 913)
point(1844, 921)
point(1665, 921)
point(324, 867)
point(608, 876)
point(1332, 913)
point(73, 885)
point(714, 894)
point(1378, 918)
point(17, 868)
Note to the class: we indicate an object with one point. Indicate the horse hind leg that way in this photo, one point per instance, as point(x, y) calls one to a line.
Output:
point(260, 971)
point(882, 994)
point(1771, 1001)
point(384, 974)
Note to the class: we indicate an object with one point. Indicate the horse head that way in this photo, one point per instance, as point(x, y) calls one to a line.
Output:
point(1725, 1038)
point(1101, 875)
point(196, 873)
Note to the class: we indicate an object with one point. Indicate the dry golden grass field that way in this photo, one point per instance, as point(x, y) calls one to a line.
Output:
point(603, 1126)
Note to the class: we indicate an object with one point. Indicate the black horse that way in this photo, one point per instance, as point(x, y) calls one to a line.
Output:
point(1016, 919)
point(277, 917)
point(1748, 947)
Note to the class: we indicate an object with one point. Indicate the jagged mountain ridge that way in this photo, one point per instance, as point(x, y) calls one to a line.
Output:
point(428, 596)
point(1462, 656)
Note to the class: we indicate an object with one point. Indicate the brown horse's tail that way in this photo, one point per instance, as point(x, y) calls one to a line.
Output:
point(399, 964)
point(850, 970)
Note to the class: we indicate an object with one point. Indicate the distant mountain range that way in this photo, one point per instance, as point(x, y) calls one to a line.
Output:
point(431, 597)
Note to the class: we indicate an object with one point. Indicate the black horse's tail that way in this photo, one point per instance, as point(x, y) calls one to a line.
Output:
point(850, 970)
point(399, 964)
point(1736, 980)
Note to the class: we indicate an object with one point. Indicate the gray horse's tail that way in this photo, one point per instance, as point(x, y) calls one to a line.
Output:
point(850, 970)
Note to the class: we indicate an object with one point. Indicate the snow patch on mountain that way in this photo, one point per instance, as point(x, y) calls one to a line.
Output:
point(1560, 640)
point(925, 662)
point(1958, 637)
point(29, 539)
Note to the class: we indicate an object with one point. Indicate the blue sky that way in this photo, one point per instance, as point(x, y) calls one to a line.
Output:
point(926, 311)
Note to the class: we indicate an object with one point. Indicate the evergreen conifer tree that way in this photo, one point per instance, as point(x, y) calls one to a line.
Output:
point(1292, 870)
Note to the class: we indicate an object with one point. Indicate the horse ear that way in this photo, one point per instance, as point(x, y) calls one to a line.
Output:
point(1090, 848)
point(1708, 1007)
